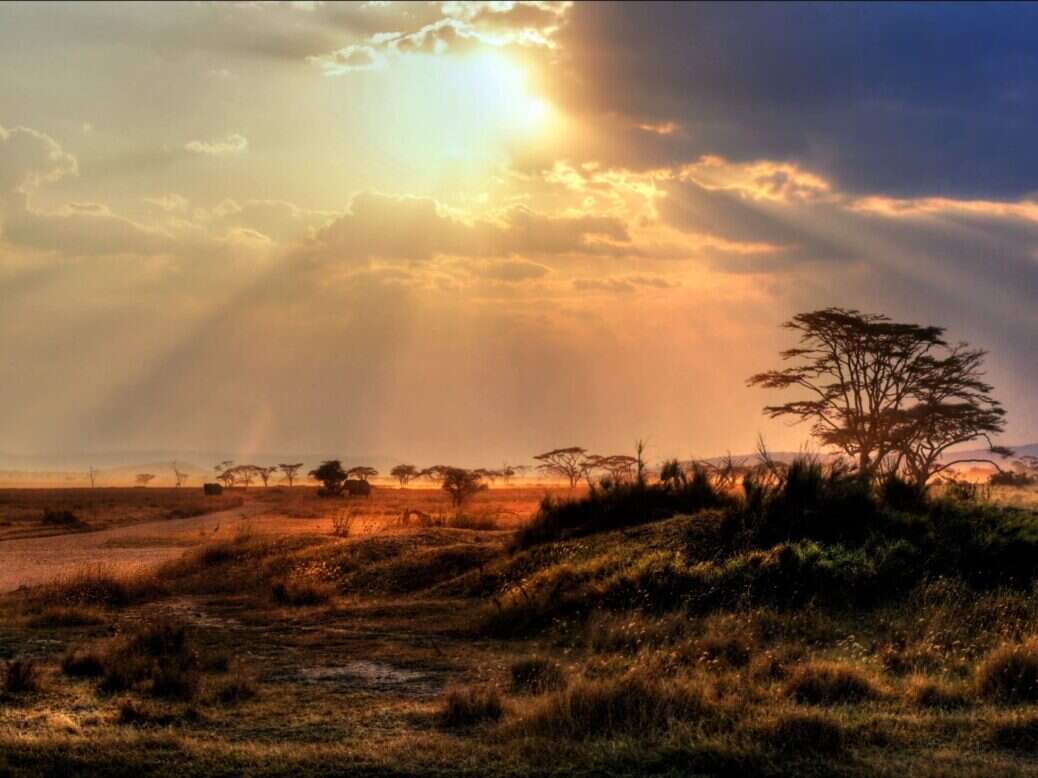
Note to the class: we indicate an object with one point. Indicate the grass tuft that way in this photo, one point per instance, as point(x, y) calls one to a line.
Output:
point(1009, 674)
point(537, 675)
point(471, 705)
point(830, 683)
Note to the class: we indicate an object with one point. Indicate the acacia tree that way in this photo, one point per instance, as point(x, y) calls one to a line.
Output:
point(461, 485)
point(143, 479)
point(290, 470)
point(568, 463)
point(331, 475)
point(436, 473)
point(404, 474)
point(361, 472)
point(265, 473)
point(889, 395)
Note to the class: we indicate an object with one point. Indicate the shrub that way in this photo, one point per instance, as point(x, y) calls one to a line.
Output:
point(1017, 734)
point(84, 662)
point(537, 675)
point(236, 689)
point(630, 705)
point(52, 518)
point(796, 733)
point(829, 683)
point(1009, 674)
point(158, 658)
point(298, 592)
point(615, 506)
point(927, 693)
point(471, 705)
point(21, 676)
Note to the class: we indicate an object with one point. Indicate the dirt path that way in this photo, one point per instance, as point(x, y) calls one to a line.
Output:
point(30, 561)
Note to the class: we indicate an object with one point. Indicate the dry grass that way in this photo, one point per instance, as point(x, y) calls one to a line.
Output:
point(21, 676)
point(471, 705)
point(830, 683)
point(634, 705)
point(926, 692)
point(99, 586)
point(1009, 674)
point(537, 675)
point(36, 512)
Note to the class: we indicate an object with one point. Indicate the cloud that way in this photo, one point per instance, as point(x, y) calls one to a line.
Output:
point(622, 284)
point(905, 99)
point(513, 271)
point(29, 158)
point(418, 228)
point(232, 144)
point(462, 29)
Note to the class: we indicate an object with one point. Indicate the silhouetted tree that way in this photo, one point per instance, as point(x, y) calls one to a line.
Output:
point(436, 473)
point(361, 472)
point(179, 476)
point(143, 479)
point(568, 463)
point(265, 473)
point(404, 474)
point(891, 396)
point(92, 475)
point(331, 475)
point(290, 470)
point(461, 485)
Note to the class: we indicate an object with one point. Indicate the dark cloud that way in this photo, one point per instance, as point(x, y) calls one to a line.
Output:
point(895, 98)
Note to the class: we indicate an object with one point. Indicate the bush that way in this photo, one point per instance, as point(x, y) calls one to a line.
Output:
point(298, 592)
point(618, 505)
point(632, 705)
point(829, 683)
point(470, 706)
point(537, 675)
point(51, 518)
point(157, 658)
point(1009, 674)
point(1017, 734)
point(797, 733)
point(927, 693)
point(84, 662)
point(236, 689)
point(21, 676)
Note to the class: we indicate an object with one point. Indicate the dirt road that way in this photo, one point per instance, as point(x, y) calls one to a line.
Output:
point(30, 561)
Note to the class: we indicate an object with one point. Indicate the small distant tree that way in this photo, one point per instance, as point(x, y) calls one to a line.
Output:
point(290, 470)
point(331, 475)
point(143, 479)
point(227, 477)
point(92, 475)
point(568, 463)
point(507, 473)
point(265, 473)
point(363, 473)
point(246, 474)
point(404, 474)
point(461, 485)
point(891, 396)
point(179, 476)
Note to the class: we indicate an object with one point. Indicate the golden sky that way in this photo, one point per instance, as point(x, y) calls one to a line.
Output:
point(472, 232)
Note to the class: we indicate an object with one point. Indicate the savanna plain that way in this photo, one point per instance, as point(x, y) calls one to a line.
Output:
point(686, 624)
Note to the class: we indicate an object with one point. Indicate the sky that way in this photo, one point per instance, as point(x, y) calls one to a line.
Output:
point(468, 233)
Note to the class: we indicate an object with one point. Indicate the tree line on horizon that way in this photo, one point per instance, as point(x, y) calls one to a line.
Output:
point(891, 398)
